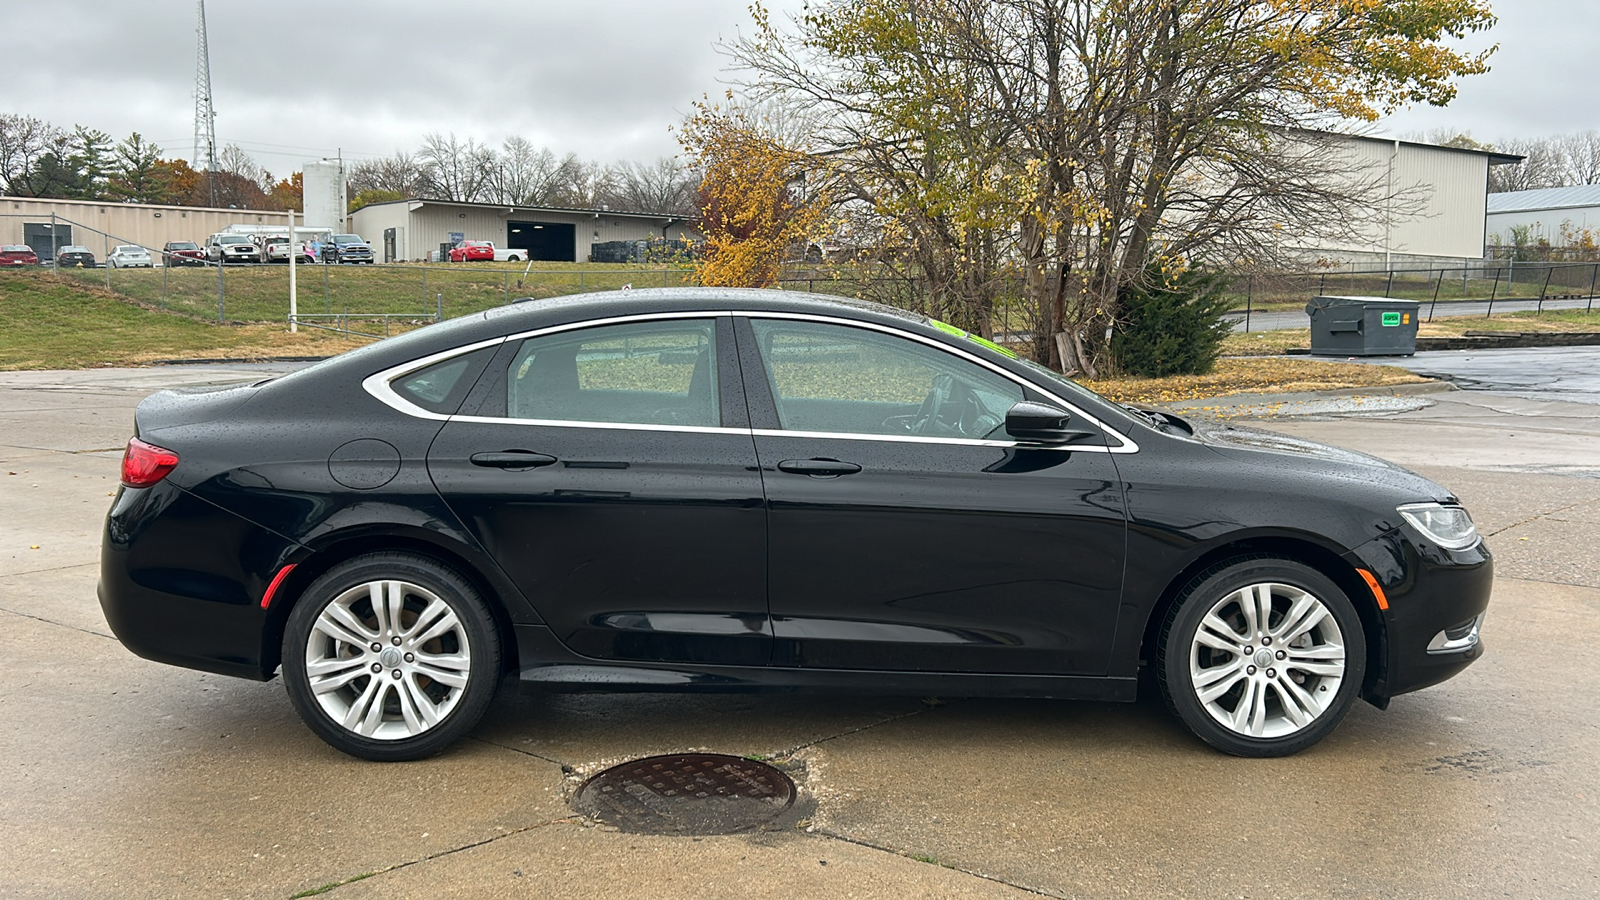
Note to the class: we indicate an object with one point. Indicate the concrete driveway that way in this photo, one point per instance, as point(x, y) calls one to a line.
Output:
point(124, 778)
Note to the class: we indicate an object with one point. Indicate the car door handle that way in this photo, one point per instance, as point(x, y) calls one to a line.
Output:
point(818, 468)
point(512, 459)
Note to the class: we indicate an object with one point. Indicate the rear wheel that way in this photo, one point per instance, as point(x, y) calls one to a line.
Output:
point(390, 656)
point(1261, 656)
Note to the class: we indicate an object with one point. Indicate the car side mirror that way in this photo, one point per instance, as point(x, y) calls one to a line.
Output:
point(1041, 423)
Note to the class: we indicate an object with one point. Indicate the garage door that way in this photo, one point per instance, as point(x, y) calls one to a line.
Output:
point(553, 241)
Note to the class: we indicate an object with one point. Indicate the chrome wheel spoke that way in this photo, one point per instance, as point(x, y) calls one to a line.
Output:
point(341, 624)
point(449, 669)
point(413, 690)
point(437, 610)
point(1283, 684)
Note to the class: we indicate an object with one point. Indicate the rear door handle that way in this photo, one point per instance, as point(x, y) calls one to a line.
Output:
point(512, 459)
point(818, 468)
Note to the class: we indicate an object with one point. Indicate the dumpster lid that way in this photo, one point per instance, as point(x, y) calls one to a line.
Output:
point(1385, 303)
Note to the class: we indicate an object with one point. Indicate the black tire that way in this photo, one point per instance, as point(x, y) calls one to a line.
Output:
point(1280, 688)
point(395, 704)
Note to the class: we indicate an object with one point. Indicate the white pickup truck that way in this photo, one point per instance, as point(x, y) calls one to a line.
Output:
point(471, 251)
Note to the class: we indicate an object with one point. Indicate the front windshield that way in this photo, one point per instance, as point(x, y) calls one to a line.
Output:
point(347, 239)
point(183, 245)
point(233, 239)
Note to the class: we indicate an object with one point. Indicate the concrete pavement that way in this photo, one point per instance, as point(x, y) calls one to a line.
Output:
point(121, 777)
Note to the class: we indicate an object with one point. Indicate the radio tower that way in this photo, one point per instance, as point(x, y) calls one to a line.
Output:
point(205, 117)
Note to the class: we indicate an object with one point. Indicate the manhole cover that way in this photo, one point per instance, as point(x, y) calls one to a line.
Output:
point(694, 793)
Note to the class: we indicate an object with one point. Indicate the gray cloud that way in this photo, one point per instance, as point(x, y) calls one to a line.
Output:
point(297, 79)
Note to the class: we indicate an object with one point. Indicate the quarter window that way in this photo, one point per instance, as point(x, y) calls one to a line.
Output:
point(646, 373)
point(834, 378)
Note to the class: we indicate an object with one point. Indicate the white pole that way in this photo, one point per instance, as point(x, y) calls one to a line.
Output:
point(294, 297)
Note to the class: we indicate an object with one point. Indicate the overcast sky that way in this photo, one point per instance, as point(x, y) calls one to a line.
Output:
point(300, 79)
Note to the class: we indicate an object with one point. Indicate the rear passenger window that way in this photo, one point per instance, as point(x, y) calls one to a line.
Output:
point(441, 387)
point(644, 373)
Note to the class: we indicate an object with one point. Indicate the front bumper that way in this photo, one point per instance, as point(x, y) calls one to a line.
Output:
point(1437, 602)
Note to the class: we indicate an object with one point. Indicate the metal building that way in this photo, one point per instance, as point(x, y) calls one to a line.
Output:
point(1561, 217)
point(103, 224)
point(401, 230)
point(1428, 202)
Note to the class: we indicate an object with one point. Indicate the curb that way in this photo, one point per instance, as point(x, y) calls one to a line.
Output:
point(1389, 390)
point(243, 360)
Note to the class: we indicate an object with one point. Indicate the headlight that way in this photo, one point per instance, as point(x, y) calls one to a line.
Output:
point(1448, 526)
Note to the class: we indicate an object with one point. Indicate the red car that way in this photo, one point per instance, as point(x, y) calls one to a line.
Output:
point(18, 255)
point(183, 253)
point(468, 251)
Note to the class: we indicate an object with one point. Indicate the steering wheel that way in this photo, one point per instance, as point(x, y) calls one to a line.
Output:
point(926, 420)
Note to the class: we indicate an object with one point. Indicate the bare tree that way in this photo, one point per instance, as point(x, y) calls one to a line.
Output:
point(1541, 166)
point(664, 186)
point(24, 140)
point(453, 169)
point(399, 174)
point(1580, 157)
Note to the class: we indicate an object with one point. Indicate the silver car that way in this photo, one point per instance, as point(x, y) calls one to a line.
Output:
point(128, 256)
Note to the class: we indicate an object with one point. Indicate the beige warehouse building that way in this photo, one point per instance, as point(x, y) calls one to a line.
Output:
point(402, 230)
point(101, 225)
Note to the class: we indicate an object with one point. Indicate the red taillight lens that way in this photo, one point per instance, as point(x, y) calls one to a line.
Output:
point(145, 464)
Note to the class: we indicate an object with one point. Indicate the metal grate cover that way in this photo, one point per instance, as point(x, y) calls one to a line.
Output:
point(694, 793)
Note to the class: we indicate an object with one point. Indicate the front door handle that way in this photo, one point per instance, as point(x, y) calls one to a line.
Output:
point(818, 468)
point(512, 459)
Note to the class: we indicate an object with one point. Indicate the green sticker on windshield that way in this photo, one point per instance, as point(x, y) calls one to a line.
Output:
point(947, 328)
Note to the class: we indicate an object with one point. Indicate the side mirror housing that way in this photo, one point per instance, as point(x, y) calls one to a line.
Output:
point(1041, 423)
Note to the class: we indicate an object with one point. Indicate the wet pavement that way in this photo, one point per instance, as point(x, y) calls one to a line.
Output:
point(1570, 374)
point(122, 777)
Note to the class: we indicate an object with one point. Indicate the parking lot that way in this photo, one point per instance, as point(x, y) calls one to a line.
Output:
point(126, 778)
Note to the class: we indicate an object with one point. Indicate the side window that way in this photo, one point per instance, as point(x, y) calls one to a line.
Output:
point(834, 378)
point(644, 373)
point(441, 387)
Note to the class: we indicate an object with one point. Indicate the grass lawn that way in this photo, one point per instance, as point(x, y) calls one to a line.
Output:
point(58, 323)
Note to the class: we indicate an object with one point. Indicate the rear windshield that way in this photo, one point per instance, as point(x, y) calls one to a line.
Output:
point(15, 248)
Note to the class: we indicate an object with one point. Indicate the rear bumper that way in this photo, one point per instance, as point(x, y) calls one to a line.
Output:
point(181, 582)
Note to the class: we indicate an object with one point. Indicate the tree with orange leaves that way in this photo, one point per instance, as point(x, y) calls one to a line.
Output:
point(751, 208)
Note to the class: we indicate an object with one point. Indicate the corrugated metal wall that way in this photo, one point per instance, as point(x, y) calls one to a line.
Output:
point(430, 223)
point(147, 226)
point(1441, 203)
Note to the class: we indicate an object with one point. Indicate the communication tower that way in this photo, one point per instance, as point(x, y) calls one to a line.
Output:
point(205, 117)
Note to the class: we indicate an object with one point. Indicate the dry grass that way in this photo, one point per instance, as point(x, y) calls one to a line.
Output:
point(1271, 375)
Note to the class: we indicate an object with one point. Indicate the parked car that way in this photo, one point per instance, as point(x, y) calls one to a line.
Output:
point(72, 256)
point(182, 253)
point(346, 248)
point(276, 250)
point(128, 256)
point(472, 251)
point(702, 488)
point(226, 247)
point(18, 255)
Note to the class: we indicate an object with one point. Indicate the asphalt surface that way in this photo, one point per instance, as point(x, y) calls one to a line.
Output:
point(121, 777)
point(1279, 320)
point(1567, 374)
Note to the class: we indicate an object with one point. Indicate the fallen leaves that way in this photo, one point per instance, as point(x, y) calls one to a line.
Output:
point(1264, 375)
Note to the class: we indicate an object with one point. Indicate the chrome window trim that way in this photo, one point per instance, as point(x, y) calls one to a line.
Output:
point(380, 386)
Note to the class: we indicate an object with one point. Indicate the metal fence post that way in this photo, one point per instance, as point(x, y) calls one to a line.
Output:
point(1435, 295)
point(1539, 310)
point(424, 285)
point(1389, 287)
point(505, 285)
point(55, 267)
point(327, 297)
point(165, 265)
point(1492, 292)
point(438, 314)
point(1322, 289)
point(1249, 300)
point(1594, 272)
point(219, 292)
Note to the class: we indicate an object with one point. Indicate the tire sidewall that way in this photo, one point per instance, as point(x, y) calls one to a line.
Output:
point(1183, 621)
point(470, 610)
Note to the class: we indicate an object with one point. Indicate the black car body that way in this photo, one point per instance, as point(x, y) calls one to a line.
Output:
point(346, 248)
point(75, 257)
point(704, 489)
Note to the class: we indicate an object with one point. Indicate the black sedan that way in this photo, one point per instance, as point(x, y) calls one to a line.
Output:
point(74, 256)
point(706, 489)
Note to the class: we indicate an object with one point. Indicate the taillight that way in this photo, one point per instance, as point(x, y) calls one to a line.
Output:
point(145, 464)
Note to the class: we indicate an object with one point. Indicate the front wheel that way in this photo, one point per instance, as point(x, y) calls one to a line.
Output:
point(390, 656)
point(1261, 656)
